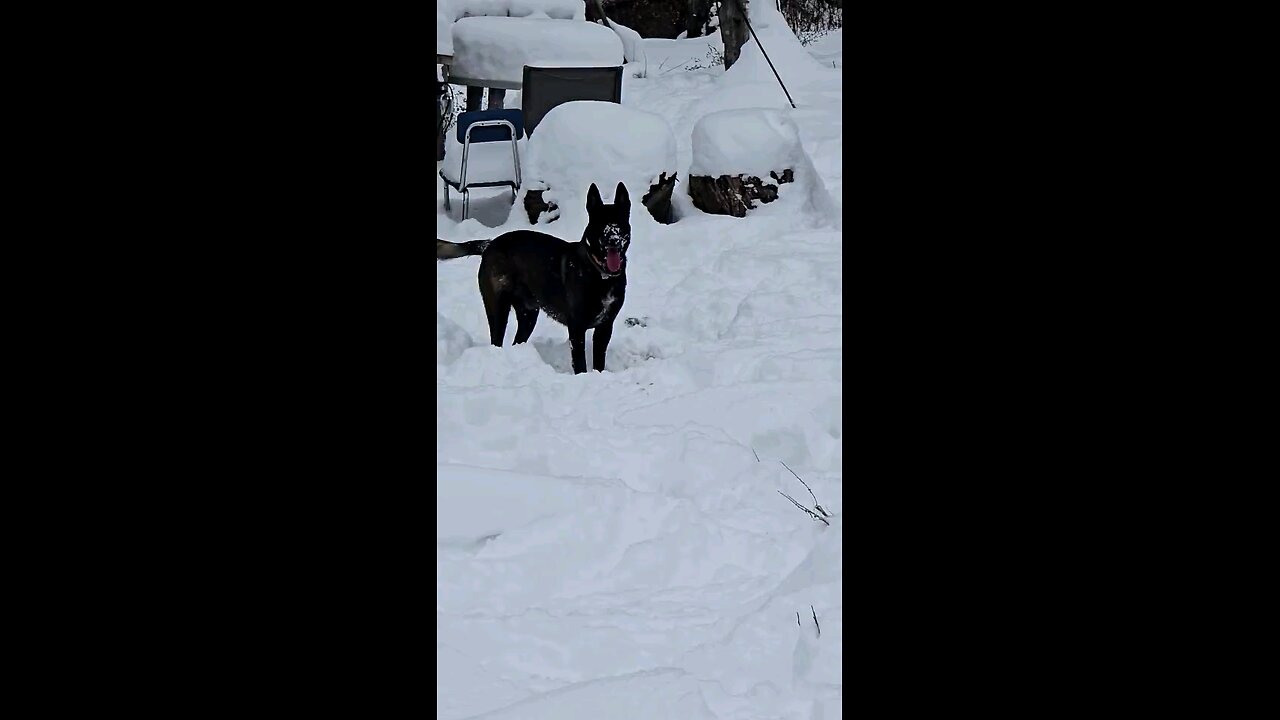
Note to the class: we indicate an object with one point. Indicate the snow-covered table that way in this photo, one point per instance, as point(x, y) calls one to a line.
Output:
point(450, 11)
point(492, 51)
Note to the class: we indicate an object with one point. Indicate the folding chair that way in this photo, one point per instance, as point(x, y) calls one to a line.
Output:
point(543, 88)
point(481, 128)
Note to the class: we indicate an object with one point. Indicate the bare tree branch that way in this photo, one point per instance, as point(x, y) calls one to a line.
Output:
point(806, 487)
point(815, 515)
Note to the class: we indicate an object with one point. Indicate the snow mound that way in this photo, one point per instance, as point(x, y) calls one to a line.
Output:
point(632, 46)
point(755, 141)
point(749, 142)
point(741, 95)
point(792, 61)
point(668, 56)
point(498, 48)
point(829, 49)
point(589, 141)
point(451, 340)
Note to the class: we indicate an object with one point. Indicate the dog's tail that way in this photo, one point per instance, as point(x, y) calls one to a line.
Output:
point(449, 251)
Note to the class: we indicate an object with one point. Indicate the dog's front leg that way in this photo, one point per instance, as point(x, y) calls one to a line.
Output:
point(578, 349)
point(599, 344)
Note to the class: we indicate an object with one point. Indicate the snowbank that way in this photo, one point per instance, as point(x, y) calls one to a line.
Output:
point(498, 48)
point(793, 62)
point(632, 46)
point(755, 141)
point(588, 141)
point(668, 56)
point(829, 49)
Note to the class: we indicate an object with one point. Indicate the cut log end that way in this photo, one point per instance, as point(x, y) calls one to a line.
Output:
point(735, 194)
point(657, 201)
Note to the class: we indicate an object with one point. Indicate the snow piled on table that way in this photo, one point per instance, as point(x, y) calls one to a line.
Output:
point(557, 9)
point(498, 48)
point(609, 545)
point(588, 141)
point(450, 11)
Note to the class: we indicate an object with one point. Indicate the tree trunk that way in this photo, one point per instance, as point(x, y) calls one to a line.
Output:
point(698, 12)
point(733, 29)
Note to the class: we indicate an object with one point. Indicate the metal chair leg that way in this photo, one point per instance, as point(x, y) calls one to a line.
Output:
point(446, 198)
point(466, 203)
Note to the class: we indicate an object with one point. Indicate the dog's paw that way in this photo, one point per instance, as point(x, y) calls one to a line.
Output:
point(632, 322)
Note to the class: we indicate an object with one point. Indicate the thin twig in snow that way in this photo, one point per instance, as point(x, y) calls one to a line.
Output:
point(815, 515)
point(798, 618)
point(673, 68)
point(815, 620)
point(753, 452)
point(806, 487)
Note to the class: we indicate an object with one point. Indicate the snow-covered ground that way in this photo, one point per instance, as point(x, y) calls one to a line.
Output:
point(608, 544)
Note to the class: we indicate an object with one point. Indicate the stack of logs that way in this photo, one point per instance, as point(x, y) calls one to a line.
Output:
point(734, 194)
point(657, 201)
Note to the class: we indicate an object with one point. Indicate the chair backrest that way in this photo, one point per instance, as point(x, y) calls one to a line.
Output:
point(490, 134)
point(543, 88)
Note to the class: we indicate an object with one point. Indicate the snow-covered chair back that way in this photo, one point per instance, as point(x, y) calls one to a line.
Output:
point(544, 88)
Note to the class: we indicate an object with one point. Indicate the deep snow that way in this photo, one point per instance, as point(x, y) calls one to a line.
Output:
point(608, 544)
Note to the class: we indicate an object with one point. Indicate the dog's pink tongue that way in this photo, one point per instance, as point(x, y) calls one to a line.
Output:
point(613, 260)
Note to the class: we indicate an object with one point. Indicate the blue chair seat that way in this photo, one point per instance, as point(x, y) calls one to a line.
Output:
point(487, 154)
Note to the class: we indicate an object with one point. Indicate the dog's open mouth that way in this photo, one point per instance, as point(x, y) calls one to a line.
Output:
point(613, 260)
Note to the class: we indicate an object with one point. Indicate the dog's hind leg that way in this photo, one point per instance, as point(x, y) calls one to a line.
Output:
point(526, 318)
point(495, 289)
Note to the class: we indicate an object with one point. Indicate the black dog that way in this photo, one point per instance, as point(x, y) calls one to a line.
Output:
point(580, 285)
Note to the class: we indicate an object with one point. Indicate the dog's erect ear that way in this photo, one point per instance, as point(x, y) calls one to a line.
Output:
point(621, 199)
point(594, 202)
